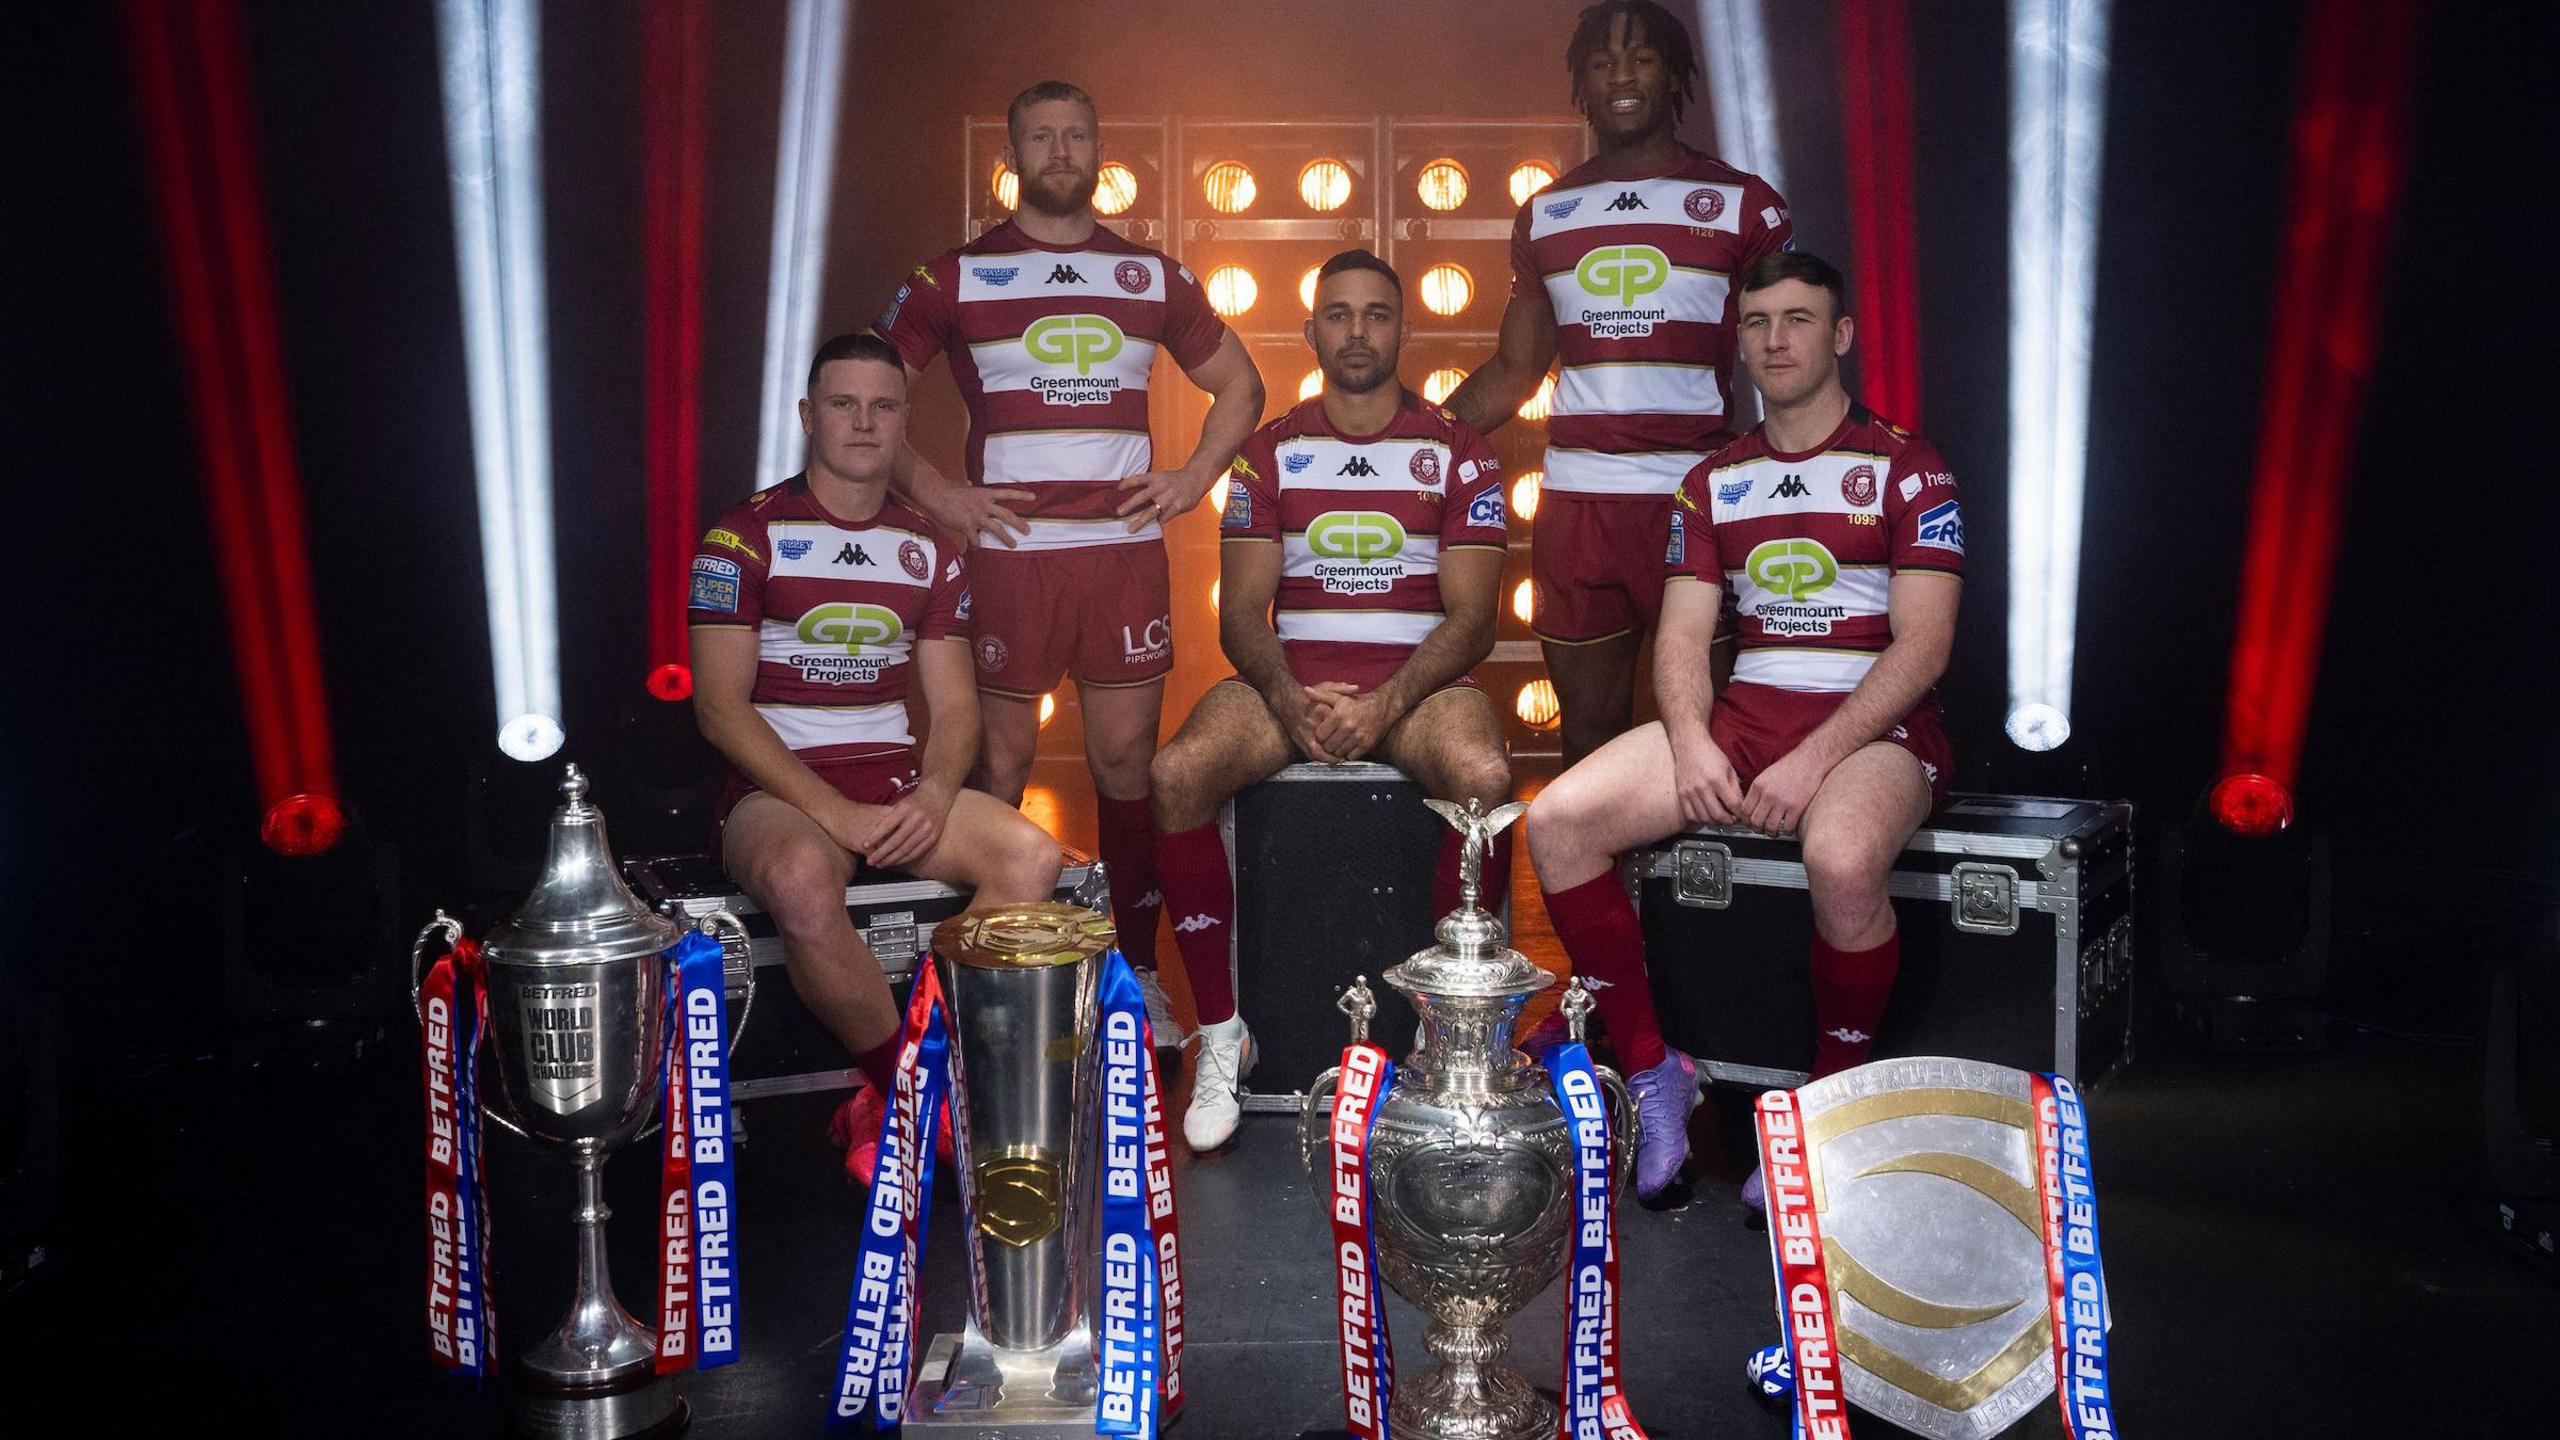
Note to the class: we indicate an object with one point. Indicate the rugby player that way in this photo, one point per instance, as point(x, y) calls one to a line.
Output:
point(1623, 271)
point(1840, 537)
point(1052, 323)
point(1362, 558)
point(818, 608)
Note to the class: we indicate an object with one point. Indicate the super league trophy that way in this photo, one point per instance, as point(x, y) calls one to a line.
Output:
point(1020, 982)
point(1470, 1162)
point(576, 990)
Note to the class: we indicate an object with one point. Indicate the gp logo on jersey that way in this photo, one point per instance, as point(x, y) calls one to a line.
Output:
point(1621, 275)
point(1942, 527)
point(853, 625)
point(1361, 535)
point(1083, 341)
point(1791, 569)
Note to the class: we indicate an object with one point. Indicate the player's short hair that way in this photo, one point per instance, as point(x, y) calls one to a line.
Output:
point(1361, 260)
point(1657, 26)
point(855, 345)
point(1041, 94)
point(1813, 270)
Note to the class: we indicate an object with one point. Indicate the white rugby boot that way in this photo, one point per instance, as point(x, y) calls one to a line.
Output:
point(1226, 1057)
point(1169, 1034)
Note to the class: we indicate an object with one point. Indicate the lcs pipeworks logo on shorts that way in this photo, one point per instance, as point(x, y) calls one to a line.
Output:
point(1368, 541)
point(1617, 276)
point(1140, 644)
point(1081, 342)
point(1789, 573)
point(852, 630)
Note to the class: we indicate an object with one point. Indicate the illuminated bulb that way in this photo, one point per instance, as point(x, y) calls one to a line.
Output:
point(1447, 289)
point(1312, 386)
point(1218, 493)
point(1325, 184)
point(530, 737)
point(1116, 189)
point(671, 681)
point(1008, 187)
point(1442, 185)
point(1536, 705)
point(1537, 406)
point(1048, 709)
point(1524, 494)
point(2038, 727)
point(2251, 805)
point(1523, 603)
point(303, 824)
point(1527, 179)
point(1231, 290)
point(1441, 383)
point(1213, 597)
point(1307, 288)
point(1228, 187)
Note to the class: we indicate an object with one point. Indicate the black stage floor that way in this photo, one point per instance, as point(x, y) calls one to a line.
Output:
point(2294, 1246)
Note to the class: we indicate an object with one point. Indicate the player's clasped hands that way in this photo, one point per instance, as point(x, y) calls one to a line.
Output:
point(1348, 722)
point(1777, 799)
point(1710, 793)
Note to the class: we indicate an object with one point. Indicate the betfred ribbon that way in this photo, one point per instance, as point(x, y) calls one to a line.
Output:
point(1166, 1228)
point(1592, 1407)
point(1368, 1364)
point(1804, 1289)
point(698, 1297)
point(453, 1008)
point(2073, 1270)
point(1128, 1344)
point(880, 1320)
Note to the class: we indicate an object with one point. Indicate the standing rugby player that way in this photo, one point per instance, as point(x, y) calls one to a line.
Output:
point(1052, 323)
point(1625, 271)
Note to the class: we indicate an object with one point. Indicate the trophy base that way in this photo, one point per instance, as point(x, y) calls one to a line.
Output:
point(651, 1411)
point(968, 1387)
point(1506, 1407)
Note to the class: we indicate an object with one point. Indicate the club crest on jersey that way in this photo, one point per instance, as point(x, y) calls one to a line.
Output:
point(1297, 461)
point(1618, 276)
point(1704, 206)
point(1942, 527)
point(1563, 209)
point(793, 549)
point(1736, 492)
point(1858, 487)
point(911, 559)
point(1133, 277)
point(1239, 512)
point(991, 653)
point(1426, 465)
point(715, 585)
point(997, 275)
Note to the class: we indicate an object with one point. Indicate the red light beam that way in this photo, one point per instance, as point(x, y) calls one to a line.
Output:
point(672, 135)
point(1875, 103)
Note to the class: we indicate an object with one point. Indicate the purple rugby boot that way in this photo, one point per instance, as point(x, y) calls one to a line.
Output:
point(1664, 1096)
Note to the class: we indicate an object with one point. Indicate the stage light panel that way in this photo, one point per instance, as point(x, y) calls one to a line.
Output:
point(671, 682)
point(1442, 185)
point(2251, 805)
point(1115, 189)
point(2038, 727)
point(1536, 705)
point(804, 168)
point(1228, 187)
point(1447, 289)
point(1325, 185)
point(1213, 597)
point(1524, 495)
point(1307, 288)
point(1441, 383)
point(1538, 406)
point(530, 737)
point(1528, 178)
point(1312, 386)
point(1007, 187)
point(1231, 290)
point(1523, 601)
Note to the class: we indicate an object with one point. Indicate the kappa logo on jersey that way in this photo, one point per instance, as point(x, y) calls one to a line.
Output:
point(1704, 206)
point(851, 554)
point(911, 559)
point(1064, 275)
point(1942, 527)
point(1133, 277)
point(1629, 200)
point(1677, 552)
point(731, 540)
point(1297, 461)
point(1358, 465)
point(715, 585)
point(793, 549)
point(1791, 488)
point(1190, 923)
point(1487, 509)
point(1239, 512)
point(1793, 571)
point(855, 627)
point(997, 275)
point(1736, 492)
point(1426, 465)
point(1622, 273)
point(1858, 487)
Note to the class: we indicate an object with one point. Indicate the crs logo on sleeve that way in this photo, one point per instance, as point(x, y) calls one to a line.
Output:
point(1488, 510)
point(1942, 528)
point(715, 585)
point(1360, 535)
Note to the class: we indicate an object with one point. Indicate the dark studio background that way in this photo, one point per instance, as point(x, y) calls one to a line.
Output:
point(2430, 758)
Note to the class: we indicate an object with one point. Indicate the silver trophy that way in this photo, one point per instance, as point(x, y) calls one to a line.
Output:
point(1470, 1161)
point(577, 1013)
point(1020, 984)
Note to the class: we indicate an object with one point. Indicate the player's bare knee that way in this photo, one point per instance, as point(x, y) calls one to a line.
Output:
point(1174, 783)
point(1484, 776)
point(798, 885)
point(1031, 861)
point(1556, 822)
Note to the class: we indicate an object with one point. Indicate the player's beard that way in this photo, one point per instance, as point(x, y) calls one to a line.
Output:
point(1074, 201)
point(1337, 378)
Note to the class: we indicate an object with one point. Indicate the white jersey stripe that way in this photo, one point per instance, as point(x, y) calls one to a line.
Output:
point(813, 727)
point(1595, 472)
point(1656, 387)
point(1827, 671)
point(1372, 627)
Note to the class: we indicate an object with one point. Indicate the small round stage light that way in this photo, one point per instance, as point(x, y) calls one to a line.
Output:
point(1442, 185)
point(1231, 290)
point(1228, 187)
point(1447, 289)
point(2038, 726)
point(1213, 597)
point(671, 681)
point(1524, 494)
point(1312, 386)
point(2249, 804)
point(1307, 288)
point(1325, 184)
point(1048, 709)
point(1542, 404)
point(1523, 601)
point(530, 737)
point(1536, 705)
point(1116, 189)
point(1007, 187)
point(1442, 383)
point(1527, 179)
point(303, 825)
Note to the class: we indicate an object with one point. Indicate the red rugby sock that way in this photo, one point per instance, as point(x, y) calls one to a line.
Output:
point(1597, 924)
point(879, 1064)
point(1850, 988)
point(1192, 865)
point(1129, 855)
point(1496, 877)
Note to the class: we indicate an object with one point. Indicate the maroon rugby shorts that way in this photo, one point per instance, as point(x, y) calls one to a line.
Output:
point(1757, 725)
point(881, 778)
point(1595, 565)
point(1103, 613)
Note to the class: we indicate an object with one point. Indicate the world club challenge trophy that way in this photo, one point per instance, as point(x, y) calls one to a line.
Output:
point(1034, 1028)
point(594, 1009)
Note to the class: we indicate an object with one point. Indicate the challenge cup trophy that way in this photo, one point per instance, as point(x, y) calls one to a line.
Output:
point(1470, 1162)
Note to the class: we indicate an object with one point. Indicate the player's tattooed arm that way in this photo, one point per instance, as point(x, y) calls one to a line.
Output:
point(1490, 397)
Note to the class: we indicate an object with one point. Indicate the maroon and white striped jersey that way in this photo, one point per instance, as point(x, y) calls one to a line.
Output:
point(1808, 545)
point(1051, 348)
point(1362, 520)
point(1643, 274)
point(837, 608)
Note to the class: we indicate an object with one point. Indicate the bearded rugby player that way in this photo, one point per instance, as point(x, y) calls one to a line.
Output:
point(818, 608)
point(1361, 564)
point(1623, 270)
point(1052, 323)
point(1840, 537)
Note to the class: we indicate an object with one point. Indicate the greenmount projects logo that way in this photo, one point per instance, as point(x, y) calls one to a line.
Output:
point(1792, 572)
point(851, 628)
point(1619, 276)
point(1371, 540)
point(1083, 341)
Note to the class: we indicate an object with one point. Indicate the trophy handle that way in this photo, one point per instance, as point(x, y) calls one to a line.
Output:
point(711, 925)
point(451, 930)
point(1315, 1117)
point(1622, 1126)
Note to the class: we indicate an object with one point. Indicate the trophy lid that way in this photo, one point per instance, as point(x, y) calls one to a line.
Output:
point(1030, 936)
point(1471, 958)
point(580, 912)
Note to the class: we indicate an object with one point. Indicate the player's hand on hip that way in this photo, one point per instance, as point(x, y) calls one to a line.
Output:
point(1777, 799)
point(1158, 496)
point(977, 511)
point(1710, 793)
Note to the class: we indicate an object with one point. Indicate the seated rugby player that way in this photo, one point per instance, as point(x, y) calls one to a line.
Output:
point(1363, 533)
point(818, 607)
point(1839, 535)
